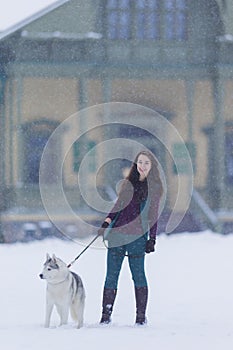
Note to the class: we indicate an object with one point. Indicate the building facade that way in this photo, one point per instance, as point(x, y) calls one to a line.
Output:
point(171, 56)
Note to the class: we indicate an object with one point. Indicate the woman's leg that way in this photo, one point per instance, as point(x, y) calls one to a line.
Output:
point(115, 258)
point(109, 296)
point(136, 251)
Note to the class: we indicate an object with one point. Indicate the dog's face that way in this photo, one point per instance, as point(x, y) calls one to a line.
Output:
point(54, 270)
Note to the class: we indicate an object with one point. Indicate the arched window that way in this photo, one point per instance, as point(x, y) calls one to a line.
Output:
point(35, 137)
point(147, 19)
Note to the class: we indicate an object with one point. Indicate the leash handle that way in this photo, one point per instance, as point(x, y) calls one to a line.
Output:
point(77, 257)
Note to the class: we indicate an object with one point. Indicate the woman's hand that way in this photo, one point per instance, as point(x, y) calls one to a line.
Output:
point(150, 245)
point(103, 228)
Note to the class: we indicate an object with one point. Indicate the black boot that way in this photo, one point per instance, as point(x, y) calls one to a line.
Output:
point(109, 296)
point(141, 295)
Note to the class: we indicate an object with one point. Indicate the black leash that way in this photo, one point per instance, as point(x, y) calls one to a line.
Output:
point(77, 257)
point(94, 239)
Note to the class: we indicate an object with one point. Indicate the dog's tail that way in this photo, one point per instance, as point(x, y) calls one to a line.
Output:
point(78, 300)
point(77, 306)
point(73, 312)
point(77, 310)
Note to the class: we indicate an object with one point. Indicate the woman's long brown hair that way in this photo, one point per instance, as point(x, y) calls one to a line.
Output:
point(153, 179)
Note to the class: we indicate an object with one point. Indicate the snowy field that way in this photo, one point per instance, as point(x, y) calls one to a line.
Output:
point(190, 303)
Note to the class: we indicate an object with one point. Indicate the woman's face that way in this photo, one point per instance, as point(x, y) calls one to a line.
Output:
point(143, 166)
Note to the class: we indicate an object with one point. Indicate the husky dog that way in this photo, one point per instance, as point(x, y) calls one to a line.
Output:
point(64, 290)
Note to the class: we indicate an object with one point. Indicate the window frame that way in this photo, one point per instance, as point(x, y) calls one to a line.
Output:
point(229, 156)
point(130, 19)
point(35, 135)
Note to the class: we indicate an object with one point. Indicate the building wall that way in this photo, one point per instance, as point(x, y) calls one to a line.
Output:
point(57, 99)
point(148, 73)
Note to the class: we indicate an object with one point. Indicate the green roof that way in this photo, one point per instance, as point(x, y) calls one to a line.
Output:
point(75, 16)
point(64, 17)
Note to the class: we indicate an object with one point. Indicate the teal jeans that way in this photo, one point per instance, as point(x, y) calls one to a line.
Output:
point(135, 252)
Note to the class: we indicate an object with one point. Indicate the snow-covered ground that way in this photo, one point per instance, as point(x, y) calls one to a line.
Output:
point(190, 302)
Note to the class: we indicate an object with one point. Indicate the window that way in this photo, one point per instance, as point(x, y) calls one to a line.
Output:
point(33, 152)
point(80, 149)
point(147, 19)
point(118, 13)
point(175, 20)
point(35, 137)
point(229, 157)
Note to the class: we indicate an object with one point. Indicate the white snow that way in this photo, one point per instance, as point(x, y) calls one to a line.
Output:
point(15, 11)
point(190, 301)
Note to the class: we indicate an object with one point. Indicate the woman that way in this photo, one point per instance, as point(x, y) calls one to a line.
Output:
point(135, 223)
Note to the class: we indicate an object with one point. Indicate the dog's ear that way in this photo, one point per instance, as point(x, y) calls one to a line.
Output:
point(47, 257)
point(57, 260)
